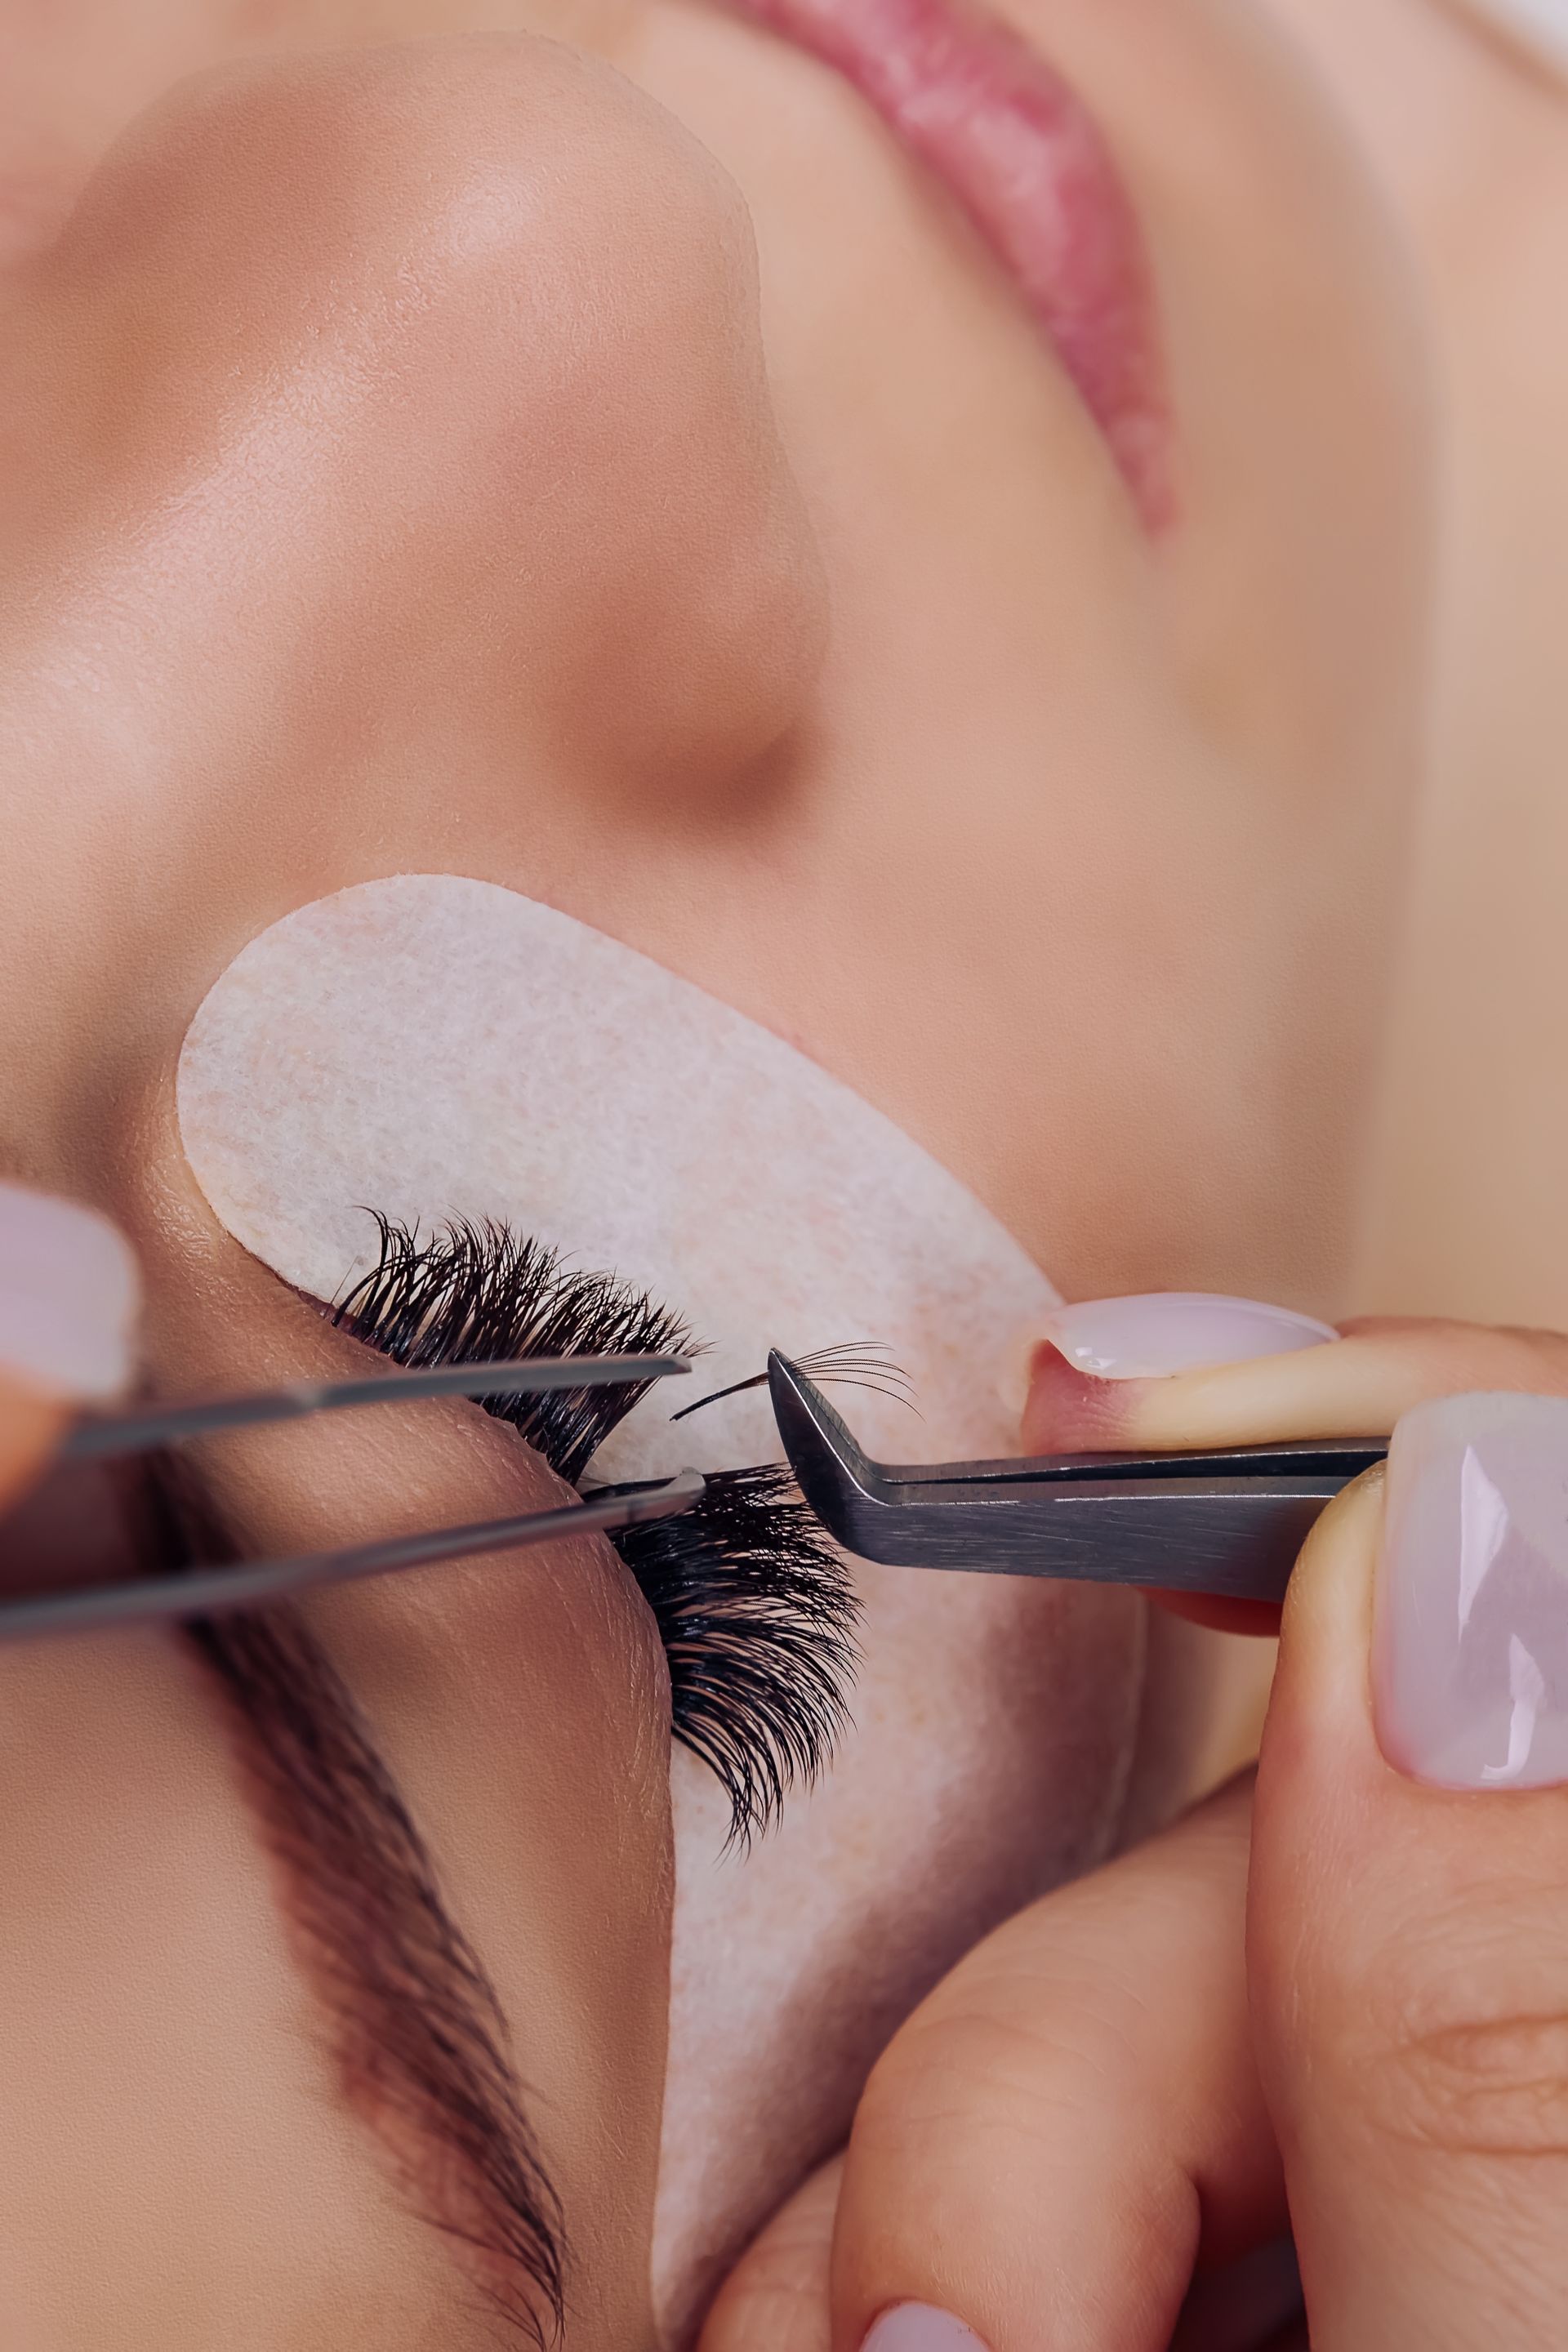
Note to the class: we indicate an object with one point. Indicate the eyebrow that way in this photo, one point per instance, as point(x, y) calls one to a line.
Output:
point(420, 2040)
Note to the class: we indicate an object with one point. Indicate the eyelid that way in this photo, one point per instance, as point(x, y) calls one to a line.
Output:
point(477, 1293)
point(755, 1605)
point(422, 2041)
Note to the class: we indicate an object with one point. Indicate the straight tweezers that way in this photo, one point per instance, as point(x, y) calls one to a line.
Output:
point(139, 1433)
point(208, 1591)
point(1227, 1524)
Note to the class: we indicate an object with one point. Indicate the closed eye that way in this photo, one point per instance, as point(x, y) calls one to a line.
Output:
point(752, 1600)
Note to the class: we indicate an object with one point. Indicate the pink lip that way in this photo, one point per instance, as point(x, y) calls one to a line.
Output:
point(1024, 158)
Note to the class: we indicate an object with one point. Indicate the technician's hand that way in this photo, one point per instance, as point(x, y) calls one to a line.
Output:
point(1339, 2008)
point(68, 1301)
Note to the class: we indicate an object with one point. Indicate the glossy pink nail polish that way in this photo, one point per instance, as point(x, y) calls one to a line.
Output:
point(1470, 1623)
point(919, 2328)
point(1162, 1331)
point(67, 1296)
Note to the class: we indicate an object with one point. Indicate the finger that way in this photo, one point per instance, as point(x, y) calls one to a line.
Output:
point(1258, 1618)
point(68, 1300)
point(1084, 1373)
point(1355, 1386)
point(1253, 2305)
point(1072, 2121)
point(1358, 1386)
point(776, 2299)
point(30, 1428)
point(1408, 1923)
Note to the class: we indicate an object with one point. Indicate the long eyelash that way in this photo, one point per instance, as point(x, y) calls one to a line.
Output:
point(755, 1606)
point(853, 1363)
point(757, 1614)
point(475, 1294)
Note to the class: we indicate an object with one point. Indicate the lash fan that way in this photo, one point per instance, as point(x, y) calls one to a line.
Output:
point(754, 1604)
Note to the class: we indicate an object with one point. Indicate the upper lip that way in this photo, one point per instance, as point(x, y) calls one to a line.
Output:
point(1024, 157)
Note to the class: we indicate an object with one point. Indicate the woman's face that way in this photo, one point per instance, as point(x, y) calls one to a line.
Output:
point(399, 480)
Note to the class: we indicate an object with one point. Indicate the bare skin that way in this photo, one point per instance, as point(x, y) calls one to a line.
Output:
point(1471, 138)
point(398, 478)
point(1334, 2012)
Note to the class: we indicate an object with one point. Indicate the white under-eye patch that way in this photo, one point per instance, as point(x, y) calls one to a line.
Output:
point(431, 1047)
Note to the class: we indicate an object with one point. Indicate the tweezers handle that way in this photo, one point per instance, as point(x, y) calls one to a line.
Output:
point(1227, 1523)
point(1343, 1458)
point(99, 1440)
point(246, 1584)
point(1234, 1540)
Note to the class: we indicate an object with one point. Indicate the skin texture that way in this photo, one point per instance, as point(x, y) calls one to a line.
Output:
point(1271, 637)
point(160, 2003)
point(393, 481)
point(1471, 140)
point(1467, 136)
point(1348, 1993)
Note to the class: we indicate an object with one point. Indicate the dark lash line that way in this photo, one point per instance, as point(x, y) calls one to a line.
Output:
point(753, 1604)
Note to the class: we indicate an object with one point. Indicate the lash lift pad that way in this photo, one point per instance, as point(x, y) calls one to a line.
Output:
point(431, 1046)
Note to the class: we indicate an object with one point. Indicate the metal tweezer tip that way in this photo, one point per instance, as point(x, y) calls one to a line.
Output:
point(249, 1584)
point(1227, 1523)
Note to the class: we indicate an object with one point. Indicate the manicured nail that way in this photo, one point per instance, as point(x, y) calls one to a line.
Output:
point(1470, 1626)
point(69, 1292)
point(919, 2328)
point(1165, 1331)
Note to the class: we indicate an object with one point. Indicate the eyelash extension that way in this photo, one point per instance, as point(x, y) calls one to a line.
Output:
point(755, 1606)
point(853, 1364)
point(756, 1612)
point(476, 1294)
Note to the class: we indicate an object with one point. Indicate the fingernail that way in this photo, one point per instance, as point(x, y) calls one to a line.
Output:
point(919, 2328)
point(1165, 1331)
point(1470, 1623)
point(68, 1292)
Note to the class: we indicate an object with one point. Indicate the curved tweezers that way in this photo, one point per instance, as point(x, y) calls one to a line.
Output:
point(1226, 1523)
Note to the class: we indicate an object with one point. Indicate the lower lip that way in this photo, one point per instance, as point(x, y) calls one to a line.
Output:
point(1026, 162)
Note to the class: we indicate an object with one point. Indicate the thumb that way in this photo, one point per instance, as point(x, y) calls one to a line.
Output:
point(1408, 1900)
point(68, 1300)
